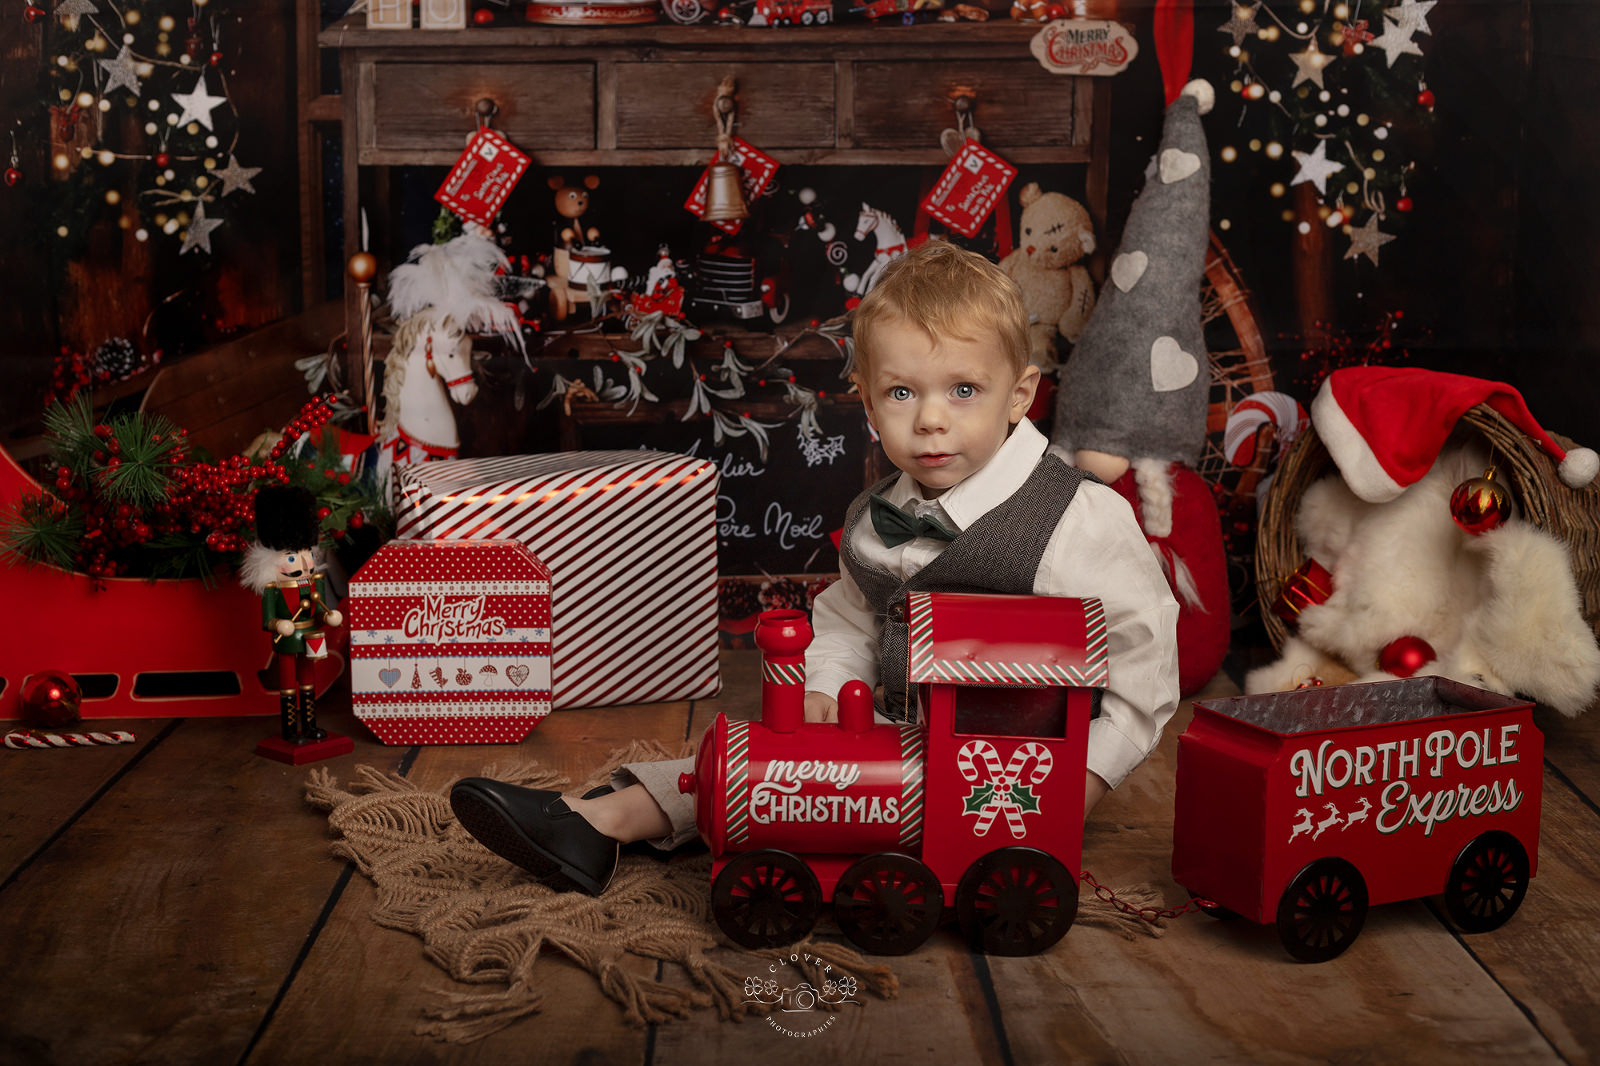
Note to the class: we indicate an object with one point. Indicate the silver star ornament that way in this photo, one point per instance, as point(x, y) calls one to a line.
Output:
point(1309, 65)
point(1412, 15)
point(1242, 24)
point(74, 8)
point(1315, 167)
point(1367, 239)
point(120, 73)
point(234, 177)
point(197, 105)
point(1396, 42)
point(199, 232)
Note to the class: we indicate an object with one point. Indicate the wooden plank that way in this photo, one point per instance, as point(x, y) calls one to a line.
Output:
point(1572, 747)
point(60, 784)
point(1554, 931)
point(326, 1013)
point(161, 924)
point(1226, 991)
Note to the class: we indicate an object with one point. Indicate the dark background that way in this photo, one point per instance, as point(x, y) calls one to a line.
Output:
point(1494, 271)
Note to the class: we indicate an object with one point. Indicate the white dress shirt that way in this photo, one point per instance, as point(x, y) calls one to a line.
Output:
point(1097, 550)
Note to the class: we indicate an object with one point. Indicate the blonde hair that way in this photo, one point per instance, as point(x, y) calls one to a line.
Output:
point(947, 292)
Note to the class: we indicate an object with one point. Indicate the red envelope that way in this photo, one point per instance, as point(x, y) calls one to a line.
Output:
point(967, 191)
point(483, 177)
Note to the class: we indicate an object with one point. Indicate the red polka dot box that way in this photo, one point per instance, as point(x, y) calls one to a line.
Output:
point(630, 538)
point(450, 642)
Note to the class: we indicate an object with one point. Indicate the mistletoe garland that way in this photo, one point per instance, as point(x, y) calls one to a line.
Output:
point(664, 339)
point(1337, 86)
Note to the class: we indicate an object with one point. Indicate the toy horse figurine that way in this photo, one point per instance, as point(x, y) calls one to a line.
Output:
point(440, 296)
point(891, 245)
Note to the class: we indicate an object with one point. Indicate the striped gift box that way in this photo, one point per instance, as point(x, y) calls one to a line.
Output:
point(630, 538)
point(450, 642)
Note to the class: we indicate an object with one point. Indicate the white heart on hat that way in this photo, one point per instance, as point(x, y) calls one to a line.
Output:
point(1176, 164)
point(1171, 368)
point(1128, 268)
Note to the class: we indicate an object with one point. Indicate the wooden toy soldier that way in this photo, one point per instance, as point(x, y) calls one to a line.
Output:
point(283, 566)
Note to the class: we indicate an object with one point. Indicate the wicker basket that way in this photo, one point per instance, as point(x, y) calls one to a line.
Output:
point(1570, 515)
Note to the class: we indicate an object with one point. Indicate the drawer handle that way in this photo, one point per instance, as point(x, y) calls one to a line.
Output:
point(486, 109)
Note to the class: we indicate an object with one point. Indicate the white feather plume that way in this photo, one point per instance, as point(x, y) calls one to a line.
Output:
point(457, 280)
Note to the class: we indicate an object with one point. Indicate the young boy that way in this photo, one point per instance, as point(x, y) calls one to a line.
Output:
point(980, 505)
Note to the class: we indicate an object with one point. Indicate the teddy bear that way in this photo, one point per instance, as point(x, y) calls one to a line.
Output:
point(1056, 234)
point(579, 261)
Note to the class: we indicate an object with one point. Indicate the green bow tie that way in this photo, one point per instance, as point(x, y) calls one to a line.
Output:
point(895, 526)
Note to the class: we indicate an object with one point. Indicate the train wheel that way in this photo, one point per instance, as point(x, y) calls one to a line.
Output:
point(686, 12)
point(1016, 901)
point(1487, 882)
point(765, 899)
point(1322, 910)
point(888, 904)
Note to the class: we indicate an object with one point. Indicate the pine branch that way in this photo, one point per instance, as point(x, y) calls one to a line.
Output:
point(41, 529)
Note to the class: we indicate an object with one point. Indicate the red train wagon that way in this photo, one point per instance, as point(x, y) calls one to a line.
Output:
point(1303, 809)
point(977, 806)
point(136, 648)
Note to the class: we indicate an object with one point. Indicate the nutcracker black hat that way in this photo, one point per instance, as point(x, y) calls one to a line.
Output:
point(286, 517)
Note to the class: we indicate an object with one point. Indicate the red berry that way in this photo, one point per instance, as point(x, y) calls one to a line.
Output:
point(1403, 204)
point(483, 16)
point(324, 512)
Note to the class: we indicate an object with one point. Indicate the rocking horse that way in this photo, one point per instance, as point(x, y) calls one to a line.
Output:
point(891, 244)
point(440, 296)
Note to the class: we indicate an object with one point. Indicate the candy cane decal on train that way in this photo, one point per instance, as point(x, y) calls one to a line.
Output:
point(1303, 809)
point(976, 805)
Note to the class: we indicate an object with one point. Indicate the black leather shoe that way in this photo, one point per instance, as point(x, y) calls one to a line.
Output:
point(535, 829)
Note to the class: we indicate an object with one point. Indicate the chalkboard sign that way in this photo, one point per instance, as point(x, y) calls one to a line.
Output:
point(776, 512)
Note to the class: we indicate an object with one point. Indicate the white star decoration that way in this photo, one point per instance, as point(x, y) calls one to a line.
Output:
point(1412, 15)
point(1367, 239)
point(197, 105)
point(199, 233)
point(1242, 24)
point(233, 176)
point(86, 7)
point(1396, 41)
point(1315, 168)
point(120, 72)
point(1309, 65)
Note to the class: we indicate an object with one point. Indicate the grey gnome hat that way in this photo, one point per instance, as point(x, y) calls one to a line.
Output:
point(1138, 381)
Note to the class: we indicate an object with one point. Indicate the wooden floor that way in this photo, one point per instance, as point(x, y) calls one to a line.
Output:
point(173, 901)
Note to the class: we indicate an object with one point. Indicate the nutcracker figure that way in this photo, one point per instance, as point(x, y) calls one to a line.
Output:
point(283, 565)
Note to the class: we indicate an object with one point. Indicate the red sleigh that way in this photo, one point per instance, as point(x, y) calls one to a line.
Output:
point(136, 648)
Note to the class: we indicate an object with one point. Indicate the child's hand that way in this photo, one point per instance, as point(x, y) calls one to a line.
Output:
point(821, 707)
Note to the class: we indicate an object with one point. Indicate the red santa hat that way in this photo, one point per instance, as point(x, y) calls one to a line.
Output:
point(1385, 425)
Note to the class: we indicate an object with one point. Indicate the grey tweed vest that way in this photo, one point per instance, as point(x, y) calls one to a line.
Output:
point(1000, 552)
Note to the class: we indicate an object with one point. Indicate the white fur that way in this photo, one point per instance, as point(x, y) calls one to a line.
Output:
point(260, 566)
point(457, 280)
point(1154, 479)
point(1579, 467)
point(1500, 610)
point(1205, 97)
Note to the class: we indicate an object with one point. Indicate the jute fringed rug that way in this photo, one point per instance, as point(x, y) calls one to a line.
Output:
point(485, 923)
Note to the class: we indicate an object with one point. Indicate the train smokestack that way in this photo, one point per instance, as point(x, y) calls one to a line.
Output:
point(783, 637)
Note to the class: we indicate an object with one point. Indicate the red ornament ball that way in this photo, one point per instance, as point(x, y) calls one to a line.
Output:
point(1425, 99)
point(1480, 504)
point(1056, 11)
point(1403, 204)
point(50, 699)
point(483, 16)
point(162, 159)
point(1404, 656)
point(33, 13)
point(216, 59)
point(13, 175)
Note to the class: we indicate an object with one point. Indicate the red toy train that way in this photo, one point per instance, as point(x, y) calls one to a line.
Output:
point(1301, 809)
point(977, 806)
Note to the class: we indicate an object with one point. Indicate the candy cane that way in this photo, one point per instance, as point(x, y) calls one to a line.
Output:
point(1013, 775)
point(66, 740)
point(1250, 414)
point(996, 775)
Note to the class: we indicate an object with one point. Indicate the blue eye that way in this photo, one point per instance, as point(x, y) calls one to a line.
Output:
point(899, 392)
point(965, 391)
